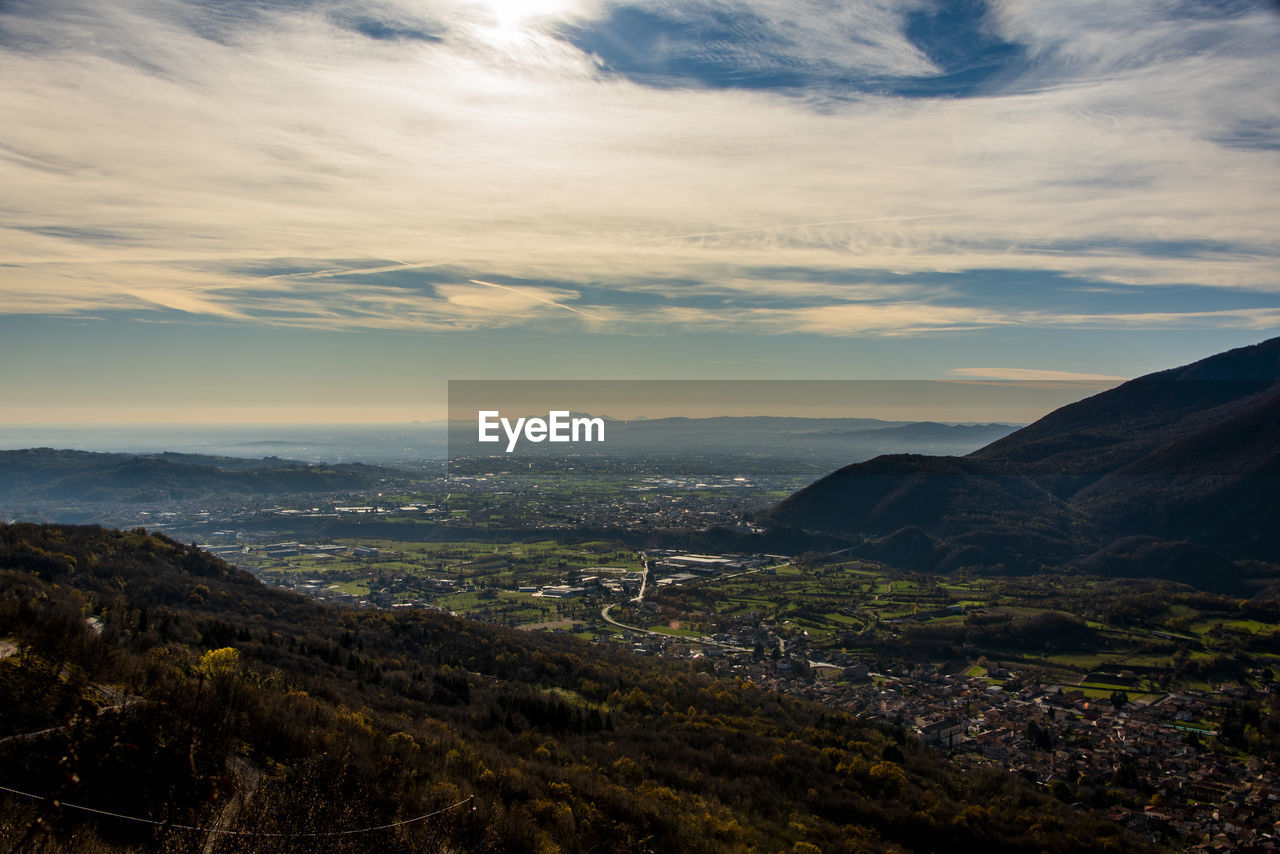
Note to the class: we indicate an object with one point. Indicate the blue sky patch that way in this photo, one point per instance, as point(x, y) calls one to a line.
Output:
point(382, 30)
point(721, 49)
point(729, 47)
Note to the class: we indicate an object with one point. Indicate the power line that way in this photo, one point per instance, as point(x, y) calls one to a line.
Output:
point(312, 834)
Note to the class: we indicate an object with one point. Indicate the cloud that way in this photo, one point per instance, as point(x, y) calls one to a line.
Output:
point(1250, 319)
point(441, 298)
point(878, 319)
point(1030, 374)
point(206, 141)
point(536, 295)
point(188, 302)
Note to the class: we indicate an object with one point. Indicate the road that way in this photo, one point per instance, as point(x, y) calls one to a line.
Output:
point(644, 577)
point(604, 614)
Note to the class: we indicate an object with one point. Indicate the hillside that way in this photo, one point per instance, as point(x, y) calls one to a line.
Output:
point(1119, 426)
point(43, 474)
point(1184, 456)
point(144, 678)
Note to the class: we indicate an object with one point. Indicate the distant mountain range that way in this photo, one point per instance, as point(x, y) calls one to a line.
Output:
point(813, 441)
point(82, 476)
point(1173, 474)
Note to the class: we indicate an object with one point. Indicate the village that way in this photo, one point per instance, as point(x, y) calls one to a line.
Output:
point(1153, 763)
point(1152, 766)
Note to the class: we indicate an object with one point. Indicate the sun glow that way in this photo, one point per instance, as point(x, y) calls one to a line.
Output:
point(515, 13)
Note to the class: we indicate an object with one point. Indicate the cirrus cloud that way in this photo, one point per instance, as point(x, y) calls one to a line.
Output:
point(165, 153)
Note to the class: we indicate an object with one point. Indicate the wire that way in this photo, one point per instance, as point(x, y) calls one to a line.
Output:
point(239, 832)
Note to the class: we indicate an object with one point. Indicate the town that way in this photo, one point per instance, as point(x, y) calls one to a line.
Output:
point(1160, 754)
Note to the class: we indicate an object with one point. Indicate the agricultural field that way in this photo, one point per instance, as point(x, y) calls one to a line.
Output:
point(484, 581)
point(1141, 637)
point(1100, 635)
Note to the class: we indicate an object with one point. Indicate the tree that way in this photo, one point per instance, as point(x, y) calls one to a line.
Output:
point(220, 663)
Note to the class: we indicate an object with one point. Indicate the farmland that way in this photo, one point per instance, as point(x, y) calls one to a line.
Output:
point(1100, 635)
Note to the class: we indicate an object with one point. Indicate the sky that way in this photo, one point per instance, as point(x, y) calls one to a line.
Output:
point(313, 211)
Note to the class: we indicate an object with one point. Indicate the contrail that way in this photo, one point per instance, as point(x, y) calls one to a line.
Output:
point(788, 227)
point(362, 271)
point(533, 296)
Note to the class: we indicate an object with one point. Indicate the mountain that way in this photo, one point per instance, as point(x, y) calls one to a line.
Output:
point(396, 445)
point(45, 474)
point(195, 709)
point(731, 441)
point(1121, 425)
point(1185, 460)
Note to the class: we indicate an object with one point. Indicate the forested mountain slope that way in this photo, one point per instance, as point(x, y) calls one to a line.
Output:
point(1184, 456)
point(148, 679)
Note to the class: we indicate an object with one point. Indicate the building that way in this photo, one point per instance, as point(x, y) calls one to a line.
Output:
point(560, 591)
point(942, 733)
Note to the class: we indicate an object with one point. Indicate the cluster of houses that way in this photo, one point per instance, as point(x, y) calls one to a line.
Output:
point(1157, 764)
point(666, 567)
point(1155, 767)
point(291, 549)
point(1175, 787)
point(653, 504)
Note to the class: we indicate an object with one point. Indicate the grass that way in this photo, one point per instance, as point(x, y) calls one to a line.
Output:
point(839, 605)
point(664, 629)
point(1253, 627)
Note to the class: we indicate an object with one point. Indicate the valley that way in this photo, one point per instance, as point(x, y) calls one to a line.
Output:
point(1069, 611)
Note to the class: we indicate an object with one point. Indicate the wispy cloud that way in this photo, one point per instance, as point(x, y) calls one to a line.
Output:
point(535, 295)
point(158, 149)
point(1030, 374)
point(1250, 319)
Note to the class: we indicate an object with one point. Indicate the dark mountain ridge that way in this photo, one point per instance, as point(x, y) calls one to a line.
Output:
point(1188, 455)
point(1118, 426)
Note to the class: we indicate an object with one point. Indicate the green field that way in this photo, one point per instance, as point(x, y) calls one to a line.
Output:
point(1063, 628)
point(475, 579)
point(1156, 634)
